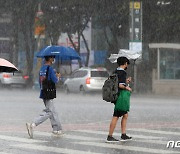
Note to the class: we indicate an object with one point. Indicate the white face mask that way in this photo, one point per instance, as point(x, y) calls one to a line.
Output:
point(54, 61)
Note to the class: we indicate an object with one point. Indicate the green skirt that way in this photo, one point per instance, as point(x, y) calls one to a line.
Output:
point(123, 101)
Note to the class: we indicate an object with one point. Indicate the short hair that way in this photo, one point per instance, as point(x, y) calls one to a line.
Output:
point(48, 57)
point(122, 61)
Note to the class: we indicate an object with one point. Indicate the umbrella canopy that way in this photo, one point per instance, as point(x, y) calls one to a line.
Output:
point(125, 53)
point(6, 66)
point(60, 52)
point(70, 54)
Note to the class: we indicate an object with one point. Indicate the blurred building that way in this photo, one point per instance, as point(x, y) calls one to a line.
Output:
point(166, 68)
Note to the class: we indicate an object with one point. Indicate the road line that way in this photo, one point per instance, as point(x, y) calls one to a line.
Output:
point(129, 148)
point(144, 139)
point(152, 141)
point(69, 136)
point(52, 149)
point(84, 138)
point(156, 131)
point(118, 134)
point(18, 139)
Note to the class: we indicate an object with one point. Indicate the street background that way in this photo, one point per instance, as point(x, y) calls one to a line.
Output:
point(153, 121)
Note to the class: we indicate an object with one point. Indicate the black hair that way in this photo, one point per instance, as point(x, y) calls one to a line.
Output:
point(122, 61)
point(48, 57)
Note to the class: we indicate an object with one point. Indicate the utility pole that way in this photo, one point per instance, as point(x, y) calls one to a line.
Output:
point(135, 22)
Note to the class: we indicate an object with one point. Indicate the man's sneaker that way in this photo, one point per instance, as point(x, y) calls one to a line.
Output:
point(58, 133)
point(124, 137)
point(29, 129)
point(111, 139)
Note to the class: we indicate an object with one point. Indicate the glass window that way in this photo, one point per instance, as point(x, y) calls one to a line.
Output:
point(169, 64)
point(82, 73)
point(99, 74)
point(74, 75)
point(79, 74)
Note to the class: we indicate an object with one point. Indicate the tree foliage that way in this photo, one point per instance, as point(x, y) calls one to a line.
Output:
point(161, 21)
point(23, 16)
point(69, 17)
point(113, 18)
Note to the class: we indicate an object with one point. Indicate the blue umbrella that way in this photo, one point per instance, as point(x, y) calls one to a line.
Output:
point(72, 55)
point(60, 52)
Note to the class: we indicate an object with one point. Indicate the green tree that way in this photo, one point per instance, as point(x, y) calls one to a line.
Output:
point(113, 18)
point(161, 21)
point(69, 17)
point(23, 17)
point(79, 13)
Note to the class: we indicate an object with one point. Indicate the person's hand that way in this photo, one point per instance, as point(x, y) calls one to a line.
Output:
point(129, 79)
point(128, 88)
point(58, 75)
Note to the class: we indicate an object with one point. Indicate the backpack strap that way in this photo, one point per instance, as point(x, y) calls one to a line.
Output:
point(47, 72)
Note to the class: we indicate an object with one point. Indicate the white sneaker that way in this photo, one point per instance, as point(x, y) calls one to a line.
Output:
point(58, 133)
point(29, 129)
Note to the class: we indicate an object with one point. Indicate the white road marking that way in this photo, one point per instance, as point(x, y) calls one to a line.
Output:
point(92, 141)
point(129, 148)
point(69, 136)
point(156, 131)
point(19, 139)
point(118, 134)
point(144, 139)
point(152, 141)
point(52, 149)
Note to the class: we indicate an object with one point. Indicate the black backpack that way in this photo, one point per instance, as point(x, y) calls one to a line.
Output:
point(48, 88)
point(110, 89)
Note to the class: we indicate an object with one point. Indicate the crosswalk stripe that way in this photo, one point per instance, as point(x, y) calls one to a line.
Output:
point(89, 141)
point(76, 137)
point(152, 141)
point(156, 131)
point(145, 139)
point(18, 139)
point(175, 128)
point(118, 134)
point(52, 149)
point(129, 148)
point(84, 138)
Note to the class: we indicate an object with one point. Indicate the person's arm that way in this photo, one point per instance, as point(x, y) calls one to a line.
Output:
point(122, 81)
point(124, 87)
point(53, 76)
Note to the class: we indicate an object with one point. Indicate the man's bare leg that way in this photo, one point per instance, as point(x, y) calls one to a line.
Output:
point(124, 137)
point(113, 125)
point(123, 123)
